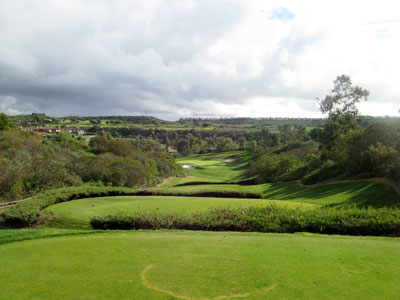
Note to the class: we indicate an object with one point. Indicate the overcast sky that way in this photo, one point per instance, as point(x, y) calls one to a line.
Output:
point(204, 58)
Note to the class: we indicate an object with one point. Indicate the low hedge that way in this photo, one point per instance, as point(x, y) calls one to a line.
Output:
point(350, 221)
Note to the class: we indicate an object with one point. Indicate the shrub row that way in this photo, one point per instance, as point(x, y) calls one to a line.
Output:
point(351, 221)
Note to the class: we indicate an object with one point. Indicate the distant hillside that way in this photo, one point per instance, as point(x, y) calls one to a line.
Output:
point(244, 124)
point(125, 119)
point(39, 119)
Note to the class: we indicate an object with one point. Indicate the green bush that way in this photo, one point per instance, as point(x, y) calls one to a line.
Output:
point(353, 221)
point(269, 167)
point(30, 164)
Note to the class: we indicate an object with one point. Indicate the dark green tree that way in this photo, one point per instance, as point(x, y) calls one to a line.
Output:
point(5, 122)
point(183, 146)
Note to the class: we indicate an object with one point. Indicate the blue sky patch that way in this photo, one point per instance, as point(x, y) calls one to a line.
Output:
point(281, 13)
point(384, 22)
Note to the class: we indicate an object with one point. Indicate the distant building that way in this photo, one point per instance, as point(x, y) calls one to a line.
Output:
point(75, 130)
point(173, 150)
point(51, 131)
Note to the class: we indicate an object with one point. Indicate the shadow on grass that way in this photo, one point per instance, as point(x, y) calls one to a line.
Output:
point(359, 194)
point(241, 164)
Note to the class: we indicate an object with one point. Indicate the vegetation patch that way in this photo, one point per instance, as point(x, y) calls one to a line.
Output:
point(272, 218)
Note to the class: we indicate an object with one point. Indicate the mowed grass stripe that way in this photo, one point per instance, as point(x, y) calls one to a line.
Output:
point(210, 167)
point(201, 265)
point(77, 213)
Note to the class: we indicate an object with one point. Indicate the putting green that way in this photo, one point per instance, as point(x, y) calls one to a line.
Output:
point(200, 265)
point(78, 213)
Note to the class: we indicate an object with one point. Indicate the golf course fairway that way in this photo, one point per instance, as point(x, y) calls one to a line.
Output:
point(200, 265)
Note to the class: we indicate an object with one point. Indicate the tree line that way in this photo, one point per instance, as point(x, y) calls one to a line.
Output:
point(343, 148)
point(30, 164)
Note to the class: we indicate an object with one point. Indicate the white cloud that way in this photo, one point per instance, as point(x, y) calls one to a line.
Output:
point(195, 58)
point(5, 105)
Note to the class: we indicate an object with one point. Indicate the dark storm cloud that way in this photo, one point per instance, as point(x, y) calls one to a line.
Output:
point(107, 58)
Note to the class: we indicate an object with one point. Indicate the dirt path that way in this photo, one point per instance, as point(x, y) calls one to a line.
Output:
point(6, 205)
point(387, 181)
point(165, 181)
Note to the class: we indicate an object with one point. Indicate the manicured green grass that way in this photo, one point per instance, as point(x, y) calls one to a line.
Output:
point(210, 167)
point(173, 181)
point(256, 190)
point(201, 265)
point(347, 194)
point(78, 213)
point(17, 235)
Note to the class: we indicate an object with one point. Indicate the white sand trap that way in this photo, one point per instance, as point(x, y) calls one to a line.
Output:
point(188, 166)
point(227, 160)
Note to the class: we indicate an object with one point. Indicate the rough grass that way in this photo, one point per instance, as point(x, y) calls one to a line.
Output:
point(77, 213)
point(201, 265)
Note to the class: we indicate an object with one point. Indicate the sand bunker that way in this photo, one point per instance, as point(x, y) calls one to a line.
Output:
point(188, 166)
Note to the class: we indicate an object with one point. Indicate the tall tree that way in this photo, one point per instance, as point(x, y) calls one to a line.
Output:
point(344, 98)
point(341, 107)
